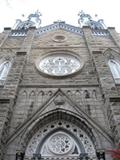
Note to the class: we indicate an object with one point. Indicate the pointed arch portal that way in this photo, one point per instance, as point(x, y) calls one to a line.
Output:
point(61, 136)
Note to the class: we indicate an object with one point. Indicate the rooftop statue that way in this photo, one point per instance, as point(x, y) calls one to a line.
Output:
point(86, 20)
point(33, 20)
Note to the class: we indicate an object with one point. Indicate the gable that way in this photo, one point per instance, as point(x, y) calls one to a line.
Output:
point(59, 25)
point(110, 53)
point(58, 38)
point(59, 102)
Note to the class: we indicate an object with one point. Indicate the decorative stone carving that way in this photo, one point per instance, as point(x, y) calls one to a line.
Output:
point(60, 143)
point(59, 38)
point(60, 138)
point(86, 20)
point(33, 20)
point(59, 100)
point(59, 64)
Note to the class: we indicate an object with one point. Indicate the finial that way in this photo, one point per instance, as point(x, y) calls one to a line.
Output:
point(86, 20)
point(33, 20)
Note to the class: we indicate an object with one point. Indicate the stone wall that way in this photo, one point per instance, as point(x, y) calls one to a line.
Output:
point(92, 88)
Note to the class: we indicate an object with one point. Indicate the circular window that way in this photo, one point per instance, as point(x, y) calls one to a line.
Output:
point(60, 143)
point(59, 64)
point(59, 38)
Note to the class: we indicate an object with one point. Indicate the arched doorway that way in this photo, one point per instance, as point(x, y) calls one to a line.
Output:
point(61, 138)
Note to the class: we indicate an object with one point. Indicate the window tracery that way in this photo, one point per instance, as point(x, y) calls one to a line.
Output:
point(59, 64)
point(115, 68)
point(67, 141)
point(60, 143)
point(4, 69)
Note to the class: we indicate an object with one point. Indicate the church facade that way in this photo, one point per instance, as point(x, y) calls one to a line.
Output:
point(59, 90)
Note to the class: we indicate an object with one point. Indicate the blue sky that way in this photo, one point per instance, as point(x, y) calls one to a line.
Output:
point(66, 10)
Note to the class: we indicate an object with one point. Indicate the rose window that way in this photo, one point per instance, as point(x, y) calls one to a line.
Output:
point(59, 64)
point(60, 143)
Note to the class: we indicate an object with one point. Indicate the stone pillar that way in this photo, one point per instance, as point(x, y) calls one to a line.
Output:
point(8, 97)
point(107, 84)
point(88, 38)
point(114, 35)
point(27, 43)
point(14, 77)
point(5, 115)
point(114, 118)
point(99, 63)
point(104, 75)
point(5, 34)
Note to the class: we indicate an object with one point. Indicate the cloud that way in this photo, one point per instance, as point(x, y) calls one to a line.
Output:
point(8, 3)
point(66, 10)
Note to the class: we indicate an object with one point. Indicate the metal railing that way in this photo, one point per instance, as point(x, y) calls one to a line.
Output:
point(102, 33)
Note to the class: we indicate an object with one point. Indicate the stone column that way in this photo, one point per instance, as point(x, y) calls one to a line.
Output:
point(8, 97)
point(114, 118)
point(103, 74)
point(115, 36)
point(107, 84)
point(27, 43)
point(5, 115)
point(14, 77)
point(5, 34)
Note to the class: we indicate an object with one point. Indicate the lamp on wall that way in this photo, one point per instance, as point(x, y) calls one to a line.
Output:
point(36, 157)
point(19, 155)
point(100, 154)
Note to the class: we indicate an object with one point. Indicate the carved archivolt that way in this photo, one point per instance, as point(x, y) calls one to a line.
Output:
point(60, 138)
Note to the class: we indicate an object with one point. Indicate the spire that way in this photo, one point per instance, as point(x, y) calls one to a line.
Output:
point(33, 20)
point(86, 20)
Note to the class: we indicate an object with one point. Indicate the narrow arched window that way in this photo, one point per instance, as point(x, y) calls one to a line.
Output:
point(4, 69)
point(114, 67)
